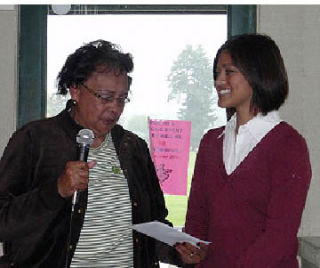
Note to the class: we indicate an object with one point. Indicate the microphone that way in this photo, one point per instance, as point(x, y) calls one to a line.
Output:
point(84, 139)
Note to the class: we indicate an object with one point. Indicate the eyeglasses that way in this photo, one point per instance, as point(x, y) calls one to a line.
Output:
point(107, 98)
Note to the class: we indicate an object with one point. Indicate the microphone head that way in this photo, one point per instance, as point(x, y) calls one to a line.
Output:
point(85, 136)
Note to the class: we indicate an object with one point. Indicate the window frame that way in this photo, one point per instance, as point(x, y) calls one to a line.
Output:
point(32, 93)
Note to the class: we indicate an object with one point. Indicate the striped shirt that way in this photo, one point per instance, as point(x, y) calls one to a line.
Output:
point(106, 236)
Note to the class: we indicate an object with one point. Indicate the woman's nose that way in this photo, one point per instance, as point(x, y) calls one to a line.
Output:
point(115, 106)
point(219, 82)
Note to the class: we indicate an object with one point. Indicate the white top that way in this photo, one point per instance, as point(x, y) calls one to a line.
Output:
point(237, 146)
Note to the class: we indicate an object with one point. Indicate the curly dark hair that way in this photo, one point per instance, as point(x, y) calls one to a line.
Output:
point(259, 59)
point(96, 56)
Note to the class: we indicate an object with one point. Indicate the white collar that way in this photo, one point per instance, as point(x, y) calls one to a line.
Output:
point(237, 146)
point(258, 126)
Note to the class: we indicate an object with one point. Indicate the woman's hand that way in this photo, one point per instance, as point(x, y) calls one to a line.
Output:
point(75, 177)
point(191, 254)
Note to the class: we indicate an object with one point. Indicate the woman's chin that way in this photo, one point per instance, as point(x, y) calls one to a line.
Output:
point(223, 104)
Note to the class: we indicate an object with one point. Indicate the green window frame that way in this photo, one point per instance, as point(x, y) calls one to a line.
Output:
point(33, 43)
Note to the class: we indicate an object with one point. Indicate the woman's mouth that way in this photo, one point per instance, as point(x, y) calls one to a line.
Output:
point(109, 121)
point(223, 92)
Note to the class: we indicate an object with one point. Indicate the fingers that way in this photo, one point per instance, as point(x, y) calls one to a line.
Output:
point(189, 253)
point(203, 250)
point(91, 164)
point(77, 174)
point(74, 178)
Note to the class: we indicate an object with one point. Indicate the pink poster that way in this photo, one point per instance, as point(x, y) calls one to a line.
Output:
point(169, 148)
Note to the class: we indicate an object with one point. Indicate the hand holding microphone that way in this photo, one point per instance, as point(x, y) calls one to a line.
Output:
point(76, 173)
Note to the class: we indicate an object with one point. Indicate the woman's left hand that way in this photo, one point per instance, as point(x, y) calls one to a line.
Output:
point(191, 254)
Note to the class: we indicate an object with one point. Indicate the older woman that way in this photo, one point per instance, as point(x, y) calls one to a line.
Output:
point(117, 187)
point(252, 176)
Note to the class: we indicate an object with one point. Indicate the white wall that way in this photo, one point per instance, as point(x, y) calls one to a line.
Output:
point(296, 31)
point(8, 72)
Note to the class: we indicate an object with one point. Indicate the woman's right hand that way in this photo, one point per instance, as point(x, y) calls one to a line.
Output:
point(191, 254)
point(75, 177)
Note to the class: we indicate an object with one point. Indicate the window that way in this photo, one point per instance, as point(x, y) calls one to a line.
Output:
point(150, 86)
point(33, 46)
point(32, 100)
point(160, 45)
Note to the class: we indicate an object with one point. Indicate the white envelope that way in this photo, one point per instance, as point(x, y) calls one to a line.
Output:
point(165, 233)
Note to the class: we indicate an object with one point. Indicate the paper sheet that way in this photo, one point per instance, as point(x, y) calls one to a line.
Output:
point(165, 233)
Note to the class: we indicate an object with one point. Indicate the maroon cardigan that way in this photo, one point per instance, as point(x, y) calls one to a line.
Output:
point(251, 216)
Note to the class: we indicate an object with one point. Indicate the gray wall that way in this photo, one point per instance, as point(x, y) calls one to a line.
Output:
point(296, 30)
point(8, 72)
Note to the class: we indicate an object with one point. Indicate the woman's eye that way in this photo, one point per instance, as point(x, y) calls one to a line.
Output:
point(106, 99)
point(229, 71)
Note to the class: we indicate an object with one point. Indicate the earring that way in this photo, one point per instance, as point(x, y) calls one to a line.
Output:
point(74, 102)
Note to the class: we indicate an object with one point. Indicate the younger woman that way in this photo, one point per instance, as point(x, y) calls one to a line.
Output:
point(252, 176)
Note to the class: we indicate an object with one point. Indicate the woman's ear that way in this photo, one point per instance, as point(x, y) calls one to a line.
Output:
point(74, 93)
